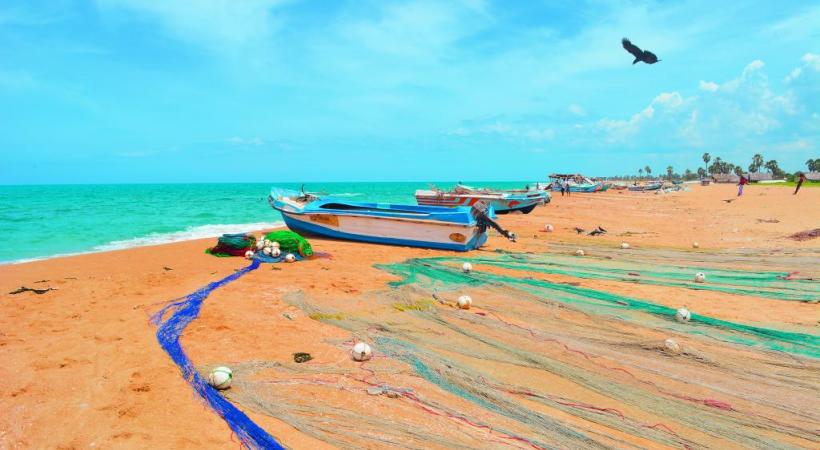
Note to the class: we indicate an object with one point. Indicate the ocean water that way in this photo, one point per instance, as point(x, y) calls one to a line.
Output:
point(45, 221)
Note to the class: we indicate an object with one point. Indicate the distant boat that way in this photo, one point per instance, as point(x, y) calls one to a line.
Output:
point(459, 229)
point(577, 183)
point(503, 202)
point(653, 186)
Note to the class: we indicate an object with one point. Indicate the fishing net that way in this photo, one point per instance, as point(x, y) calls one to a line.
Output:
point(233, 245)
point(538, 363)
point(522, 374)
point(290, 242)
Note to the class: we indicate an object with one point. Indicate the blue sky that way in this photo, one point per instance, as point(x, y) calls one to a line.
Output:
point(275, 90)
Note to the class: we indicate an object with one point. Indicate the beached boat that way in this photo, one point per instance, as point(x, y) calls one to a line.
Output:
point(459, 228)
point(503, 202)
point(653, 186)
point(577, 183)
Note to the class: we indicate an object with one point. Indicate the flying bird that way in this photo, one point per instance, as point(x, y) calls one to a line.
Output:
point(640, 55)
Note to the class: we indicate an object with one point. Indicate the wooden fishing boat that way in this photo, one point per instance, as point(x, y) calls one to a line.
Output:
point(460, 228)
point(577, 183)
point(653, 186)
point(503, 202)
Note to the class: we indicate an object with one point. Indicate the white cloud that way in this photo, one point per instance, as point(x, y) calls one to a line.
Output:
point(742, 109)
point(255, 141)
point(810, 61)
point(222, 25)
point(577, 110)
point(507, 130)
point(619, 130)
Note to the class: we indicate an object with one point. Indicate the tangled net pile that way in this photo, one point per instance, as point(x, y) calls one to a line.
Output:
point(546, 364)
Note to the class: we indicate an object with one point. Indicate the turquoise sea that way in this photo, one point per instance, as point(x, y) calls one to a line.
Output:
point(45, 221)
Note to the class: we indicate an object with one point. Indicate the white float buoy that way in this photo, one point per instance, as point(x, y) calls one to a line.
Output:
point(275, 252)
point(695, 245)
point(465, 302)
point(274, 244)
point(683, 315)
point(266, 250)
point(549, 228)
point(671, 345)
point(267, 242)
point(249, 254)
point(579, 252)
point(467, 267)
point(220, 378)
point(290, 257)
point(624, 245)
point(700, 277)
point(361, 352)
point(260, 244)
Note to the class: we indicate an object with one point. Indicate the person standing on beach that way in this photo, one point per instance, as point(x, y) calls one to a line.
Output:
point(566, 186)
point(743, 181)
point(800, 180)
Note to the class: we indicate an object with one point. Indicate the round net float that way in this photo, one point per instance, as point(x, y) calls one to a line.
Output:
point(267, 242)
point(290, 257)
point(266, 250)
point(624, 245)
point(467, 267)
point(361, 352)
point(695, 245)
point(274, 244)
point(700, 277)
point(260, 244)
point(683, 315)
point(220, 378)
point(549, 228)
point(579, 252)
point(275, 252)
point(671, 345)
point(249, 254)
point(464, 302)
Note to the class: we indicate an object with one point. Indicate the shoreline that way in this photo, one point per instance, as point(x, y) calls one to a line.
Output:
point(154, 239)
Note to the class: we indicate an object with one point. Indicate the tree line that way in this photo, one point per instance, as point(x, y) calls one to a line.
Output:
point(719, 166)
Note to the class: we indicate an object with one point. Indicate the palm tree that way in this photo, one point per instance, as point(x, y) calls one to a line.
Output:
point(640, 173)
point(813, 165)
point(701, 172)
point(669, 172)
point(716, 166)
point(648, 171)
point(706, 158)
point(774, 168)
point(757, 162)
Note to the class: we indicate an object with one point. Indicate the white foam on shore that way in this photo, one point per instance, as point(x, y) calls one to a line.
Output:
point(189, 234)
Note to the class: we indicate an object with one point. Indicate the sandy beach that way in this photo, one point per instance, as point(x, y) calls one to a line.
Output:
point(558, 351)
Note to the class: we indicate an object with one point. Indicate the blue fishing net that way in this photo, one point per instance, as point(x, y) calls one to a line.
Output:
point(182, 313)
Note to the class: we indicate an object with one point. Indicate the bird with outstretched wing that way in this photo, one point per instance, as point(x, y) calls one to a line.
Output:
point(640, 55)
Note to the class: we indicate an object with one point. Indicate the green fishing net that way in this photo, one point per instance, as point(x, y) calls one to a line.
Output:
point(290, 242)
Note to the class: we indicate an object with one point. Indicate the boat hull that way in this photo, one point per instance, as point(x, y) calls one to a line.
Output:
point(583, 188)
point(390, 231)
point(501, 203)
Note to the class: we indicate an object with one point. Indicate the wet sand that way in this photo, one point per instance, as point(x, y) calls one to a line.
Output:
point(523, 368)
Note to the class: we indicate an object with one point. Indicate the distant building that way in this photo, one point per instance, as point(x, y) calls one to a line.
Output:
point(812, 176)
point(725, 178)
point(759, 176)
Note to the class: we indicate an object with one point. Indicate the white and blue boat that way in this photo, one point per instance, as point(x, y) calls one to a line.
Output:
point(459, 229)
point(503, 202)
